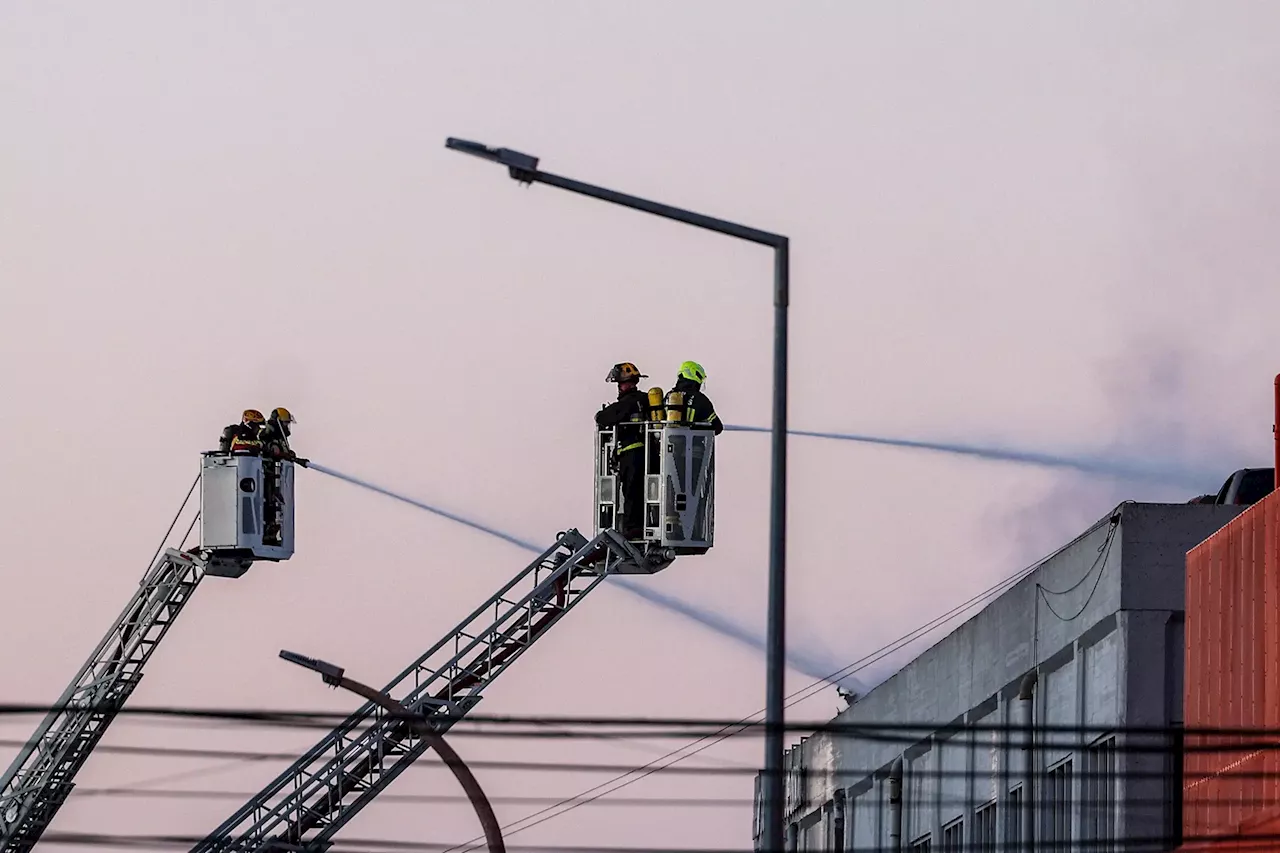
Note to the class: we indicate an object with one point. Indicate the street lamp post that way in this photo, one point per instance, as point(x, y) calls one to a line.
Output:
point(524, 168)
point(334, 675)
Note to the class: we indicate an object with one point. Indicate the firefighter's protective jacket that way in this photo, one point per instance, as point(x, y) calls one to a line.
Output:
point(698, 408)
point(275, 444)
point(632, 407)
point(240, 438)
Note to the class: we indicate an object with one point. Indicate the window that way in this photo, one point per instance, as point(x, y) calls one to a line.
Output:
point(923, 844)
point(1099, 794)
point(984, 828)
point(953, 837)
point(1057, 807)
point(796, 787)
point(1014, 818)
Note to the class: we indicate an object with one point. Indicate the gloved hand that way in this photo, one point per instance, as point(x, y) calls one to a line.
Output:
point(303, 462)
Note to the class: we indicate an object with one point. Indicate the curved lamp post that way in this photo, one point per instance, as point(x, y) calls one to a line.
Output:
point(523, 168)
point(334, 675)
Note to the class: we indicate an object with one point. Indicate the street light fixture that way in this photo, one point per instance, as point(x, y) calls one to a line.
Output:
point(335, 676)
point(524, 168)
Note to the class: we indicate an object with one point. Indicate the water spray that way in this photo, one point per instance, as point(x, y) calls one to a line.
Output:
point(475, 525)
point(726, 627)
point(708, 619)
point(1185, 478)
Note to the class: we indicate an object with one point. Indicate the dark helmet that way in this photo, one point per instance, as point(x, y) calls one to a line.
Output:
point(625, 372)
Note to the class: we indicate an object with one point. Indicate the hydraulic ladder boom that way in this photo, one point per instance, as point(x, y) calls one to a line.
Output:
point(40, 778)
point(308, 803)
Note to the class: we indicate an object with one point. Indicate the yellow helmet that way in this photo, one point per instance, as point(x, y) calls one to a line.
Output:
point(252, 416)
point(282, 414)
point(693, 371)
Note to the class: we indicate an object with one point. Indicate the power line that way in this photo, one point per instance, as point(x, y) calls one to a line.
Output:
point(248, 756)
point(130, 792)
point(541, 766)
point(412, 799)
point(1264, 841)
point(724, 731)
point(622, 780)
point(648, 728)
point(1104, 555)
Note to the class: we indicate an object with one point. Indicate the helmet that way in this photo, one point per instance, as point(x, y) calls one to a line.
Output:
point(252, 416)
point(693, 371)
point(625, 372)
point(282, 414)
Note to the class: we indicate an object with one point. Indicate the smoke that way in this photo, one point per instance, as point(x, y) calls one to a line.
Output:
point(800, 661)
point(1124, 468)
point(1162, 399)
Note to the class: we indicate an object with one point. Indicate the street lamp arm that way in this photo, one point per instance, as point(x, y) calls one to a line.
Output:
point(524, 168)
point(484, 811)
point(666, 211)
point(335, 675)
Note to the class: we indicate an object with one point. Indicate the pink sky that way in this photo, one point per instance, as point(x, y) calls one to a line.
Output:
point(1008, 222)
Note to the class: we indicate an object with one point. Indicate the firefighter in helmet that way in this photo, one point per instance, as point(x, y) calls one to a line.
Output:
point(627, 415)
point(242, 438)
point(698, 409)
point(274, 436)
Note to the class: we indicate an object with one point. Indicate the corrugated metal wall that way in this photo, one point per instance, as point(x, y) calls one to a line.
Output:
point(1232, 782)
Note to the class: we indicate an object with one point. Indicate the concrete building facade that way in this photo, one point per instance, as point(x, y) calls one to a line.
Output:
point(1085, 648)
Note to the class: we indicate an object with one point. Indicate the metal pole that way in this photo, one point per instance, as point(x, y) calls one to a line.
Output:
point(523, 168)
point(1027, 693)
point(775, 638)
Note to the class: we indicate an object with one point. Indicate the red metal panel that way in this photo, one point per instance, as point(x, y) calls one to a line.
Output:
point(1232, 781)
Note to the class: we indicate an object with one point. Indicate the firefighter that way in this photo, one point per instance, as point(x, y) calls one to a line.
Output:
point(242, 438)
point(628, 415)
point(274, 436)
point(697, 406)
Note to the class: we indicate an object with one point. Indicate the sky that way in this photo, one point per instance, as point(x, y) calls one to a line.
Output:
point(1045, 225)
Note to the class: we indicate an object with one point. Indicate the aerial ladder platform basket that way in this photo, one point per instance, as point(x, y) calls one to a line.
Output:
point(239, 496)
point(306, 805)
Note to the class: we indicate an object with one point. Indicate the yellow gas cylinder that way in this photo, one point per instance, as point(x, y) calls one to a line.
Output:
point(655, 404)
point(675, 407)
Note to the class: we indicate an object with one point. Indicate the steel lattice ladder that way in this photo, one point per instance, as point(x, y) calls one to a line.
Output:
point(307, 804)
point(42, 775)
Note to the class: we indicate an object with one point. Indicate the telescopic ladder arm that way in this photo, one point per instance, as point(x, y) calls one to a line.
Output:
point(306, 805)
point(40, 778)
